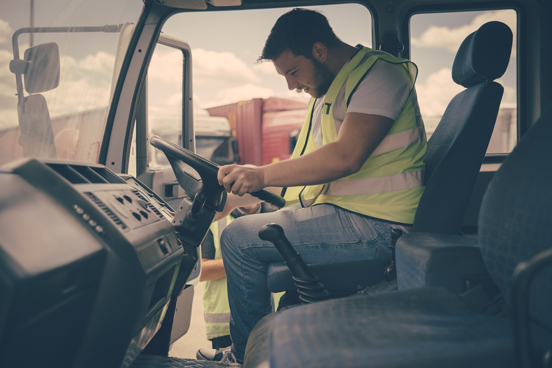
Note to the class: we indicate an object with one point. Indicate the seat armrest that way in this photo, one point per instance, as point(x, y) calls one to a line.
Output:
point(431, 259)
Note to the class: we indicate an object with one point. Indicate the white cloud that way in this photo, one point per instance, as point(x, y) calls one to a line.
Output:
point(221, 67)
point(8, 104)
point(442, 38)
point(235, 94)
point(84, 84)
point(265, 67)
point(5, 58)
point(165, 66)
point(175, 100)
point(5, 32)
point(435, 94)
point(92, 67)
point(207, 66)
point(451, 38)
point(78, 95)
point(166, 112)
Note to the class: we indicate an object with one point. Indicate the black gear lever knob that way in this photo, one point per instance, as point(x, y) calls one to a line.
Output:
point(275, 234)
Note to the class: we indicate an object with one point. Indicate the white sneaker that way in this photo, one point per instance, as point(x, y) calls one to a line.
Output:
point(224, 355)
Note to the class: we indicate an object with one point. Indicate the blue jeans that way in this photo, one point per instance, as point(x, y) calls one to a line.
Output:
point(320, 234)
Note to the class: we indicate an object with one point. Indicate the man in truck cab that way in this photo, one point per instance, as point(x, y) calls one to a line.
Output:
point(355, 174)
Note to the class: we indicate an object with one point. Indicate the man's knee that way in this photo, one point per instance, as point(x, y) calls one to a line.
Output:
point(234, 234)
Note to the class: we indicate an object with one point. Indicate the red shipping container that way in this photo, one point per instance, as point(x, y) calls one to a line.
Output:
point(247, 120)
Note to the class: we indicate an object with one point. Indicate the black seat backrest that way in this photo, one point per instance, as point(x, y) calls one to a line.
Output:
point(456, 149)
point(516, 215)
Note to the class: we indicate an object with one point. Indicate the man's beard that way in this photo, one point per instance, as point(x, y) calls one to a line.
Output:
point(323, 79)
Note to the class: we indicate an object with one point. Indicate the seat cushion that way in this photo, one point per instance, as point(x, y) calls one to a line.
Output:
point(426, 327)
point(429, 259)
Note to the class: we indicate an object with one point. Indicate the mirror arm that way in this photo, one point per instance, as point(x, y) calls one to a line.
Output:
point(16, 60)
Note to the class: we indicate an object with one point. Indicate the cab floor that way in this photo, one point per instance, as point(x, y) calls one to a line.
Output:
point(155, 361)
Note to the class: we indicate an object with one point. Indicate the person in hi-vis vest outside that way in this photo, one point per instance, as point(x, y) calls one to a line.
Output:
point(355, 174)
point(215, 295)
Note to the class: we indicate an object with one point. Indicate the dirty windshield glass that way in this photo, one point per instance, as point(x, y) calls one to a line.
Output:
point(59, 62)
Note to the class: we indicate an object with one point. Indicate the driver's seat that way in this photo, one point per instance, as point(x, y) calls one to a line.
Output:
point(454, 155)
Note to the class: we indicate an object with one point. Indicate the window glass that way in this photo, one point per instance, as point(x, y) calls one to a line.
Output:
point(436, 38)
point(225, 72)
point(65, 120)
point(165, 99)
point(225, 50)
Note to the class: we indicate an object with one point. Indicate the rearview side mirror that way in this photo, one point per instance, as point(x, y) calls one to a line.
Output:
point(40, 67)
point(42, 73)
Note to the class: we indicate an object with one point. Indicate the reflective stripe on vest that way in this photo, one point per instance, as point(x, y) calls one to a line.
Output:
point(216, 310)
point(389, 184)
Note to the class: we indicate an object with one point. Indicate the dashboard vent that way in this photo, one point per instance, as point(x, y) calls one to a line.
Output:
point(106, 209)
point(84, 174)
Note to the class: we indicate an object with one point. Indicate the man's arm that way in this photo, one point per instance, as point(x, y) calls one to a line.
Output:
point(212, 269)
point(358, 137)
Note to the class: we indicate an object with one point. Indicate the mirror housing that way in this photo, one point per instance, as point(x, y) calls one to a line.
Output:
point(42, 70)
point(37, 135)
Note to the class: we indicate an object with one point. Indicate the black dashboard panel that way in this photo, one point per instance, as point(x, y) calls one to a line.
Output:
point(95, 254)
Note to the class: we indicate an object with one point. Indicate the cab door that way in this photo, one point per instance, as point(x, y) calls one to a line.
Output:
point(165, 109)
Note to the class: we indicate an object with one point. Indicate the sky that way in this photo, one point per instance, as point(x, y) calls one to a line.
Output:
point(225, 46)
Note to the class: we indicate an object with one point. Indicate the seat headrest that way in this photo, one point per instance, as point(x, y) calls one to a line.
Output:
point(484, 55)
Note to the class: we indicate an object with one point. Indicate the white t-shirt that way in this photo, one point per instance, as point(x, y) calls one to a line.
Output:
point(383, 91)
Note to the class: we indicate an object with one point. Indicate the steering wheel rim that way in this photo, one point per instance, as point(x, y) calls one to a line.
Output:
point(206, 169)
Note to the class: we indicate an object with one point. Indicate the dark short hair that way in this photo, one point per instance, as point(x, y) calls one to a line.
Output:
point(297, 31)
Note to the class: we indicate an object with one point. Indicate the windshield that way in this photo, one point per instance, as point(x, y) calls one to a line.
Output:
point(41, 114)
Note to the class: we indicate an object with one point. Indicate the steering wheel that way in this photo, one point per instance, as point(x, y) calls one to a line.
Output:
point(206, 169)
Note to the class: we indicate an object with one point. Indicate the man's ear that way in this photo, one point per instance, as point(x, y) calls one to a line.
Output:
point(319, 52)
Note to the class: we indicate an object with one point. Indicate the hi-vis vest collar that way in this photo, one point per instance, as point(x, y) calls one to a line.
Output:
point(389, 184)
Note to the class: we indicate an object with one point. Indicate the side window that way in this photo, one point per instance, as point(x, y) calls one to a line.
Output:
point(435, 39)
point(165, 78)
point(161, 108)
point(59, 107)
point(236, 101)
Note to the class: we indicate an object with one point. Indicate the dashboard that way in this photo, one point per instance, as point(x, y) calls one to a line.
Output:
point(88, 263)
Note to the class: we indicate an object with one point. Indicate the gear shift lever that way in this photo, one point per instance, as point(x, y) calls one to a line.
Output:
point(308, 287)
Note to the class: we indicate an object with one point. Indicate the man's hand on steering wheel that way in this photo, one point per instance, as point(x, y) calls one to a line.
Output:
point(241, 179)
point(211, 176)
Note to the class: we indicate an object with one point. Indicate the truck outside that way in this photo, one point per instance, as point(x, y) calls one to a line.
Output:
point(266, 129)
point(213, 139)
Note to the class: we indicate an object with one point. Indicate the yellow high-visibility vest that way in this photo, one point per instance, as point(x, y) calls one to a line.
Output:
point(390, 182)
point(216, 310)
